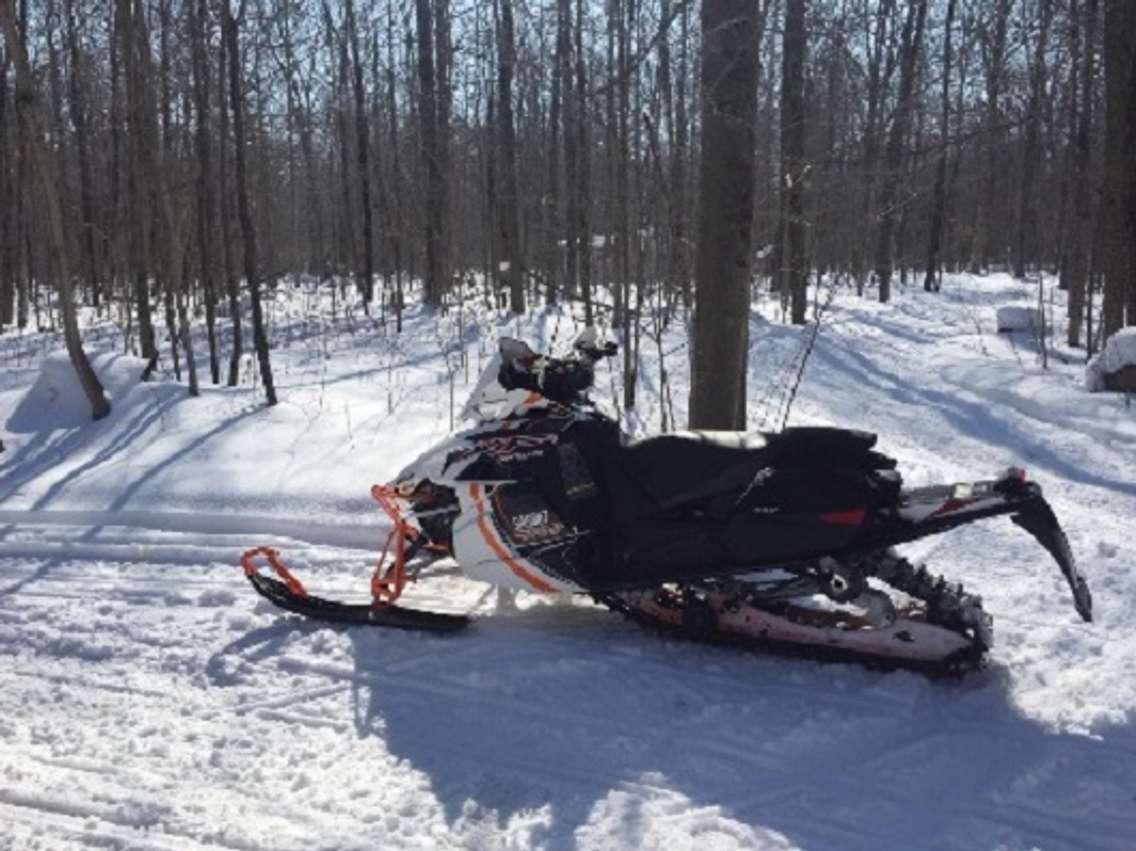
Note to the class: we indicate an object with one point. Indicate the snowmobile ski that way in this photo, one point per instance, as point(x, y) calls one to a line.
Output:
point(289, 594)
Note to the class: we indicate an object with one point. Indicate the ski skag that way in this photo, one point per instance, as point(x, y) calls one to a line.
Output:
point(781, 541)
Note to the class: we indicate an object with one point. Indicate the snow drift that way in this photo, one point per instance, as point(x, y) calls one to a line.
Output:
point(1016, 317)
point(1119, 353)
point(56, 399)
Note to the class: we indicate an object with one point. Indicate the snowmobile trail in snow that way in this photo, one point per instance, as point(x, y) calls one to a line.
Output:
point(185, 722)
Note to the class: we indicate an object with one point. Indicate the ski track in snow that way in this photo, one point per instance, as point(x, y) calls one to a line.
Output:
point(148, 700)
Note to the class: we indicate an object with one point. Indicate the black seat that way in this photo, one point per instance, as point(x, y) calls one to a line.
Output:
point(685, 466)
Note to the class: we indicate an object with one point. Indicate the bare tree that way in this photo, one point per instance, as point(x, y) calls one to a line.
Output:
point(992, 41)
point(205, 207)
point(794, 271)
point(910, 42)
point(230, 26)
point(362, 143)
point(508, 224)
point(28, 103)
point(931, 279)
point(1119, 179)
point(7, 272)
point(1027, 210)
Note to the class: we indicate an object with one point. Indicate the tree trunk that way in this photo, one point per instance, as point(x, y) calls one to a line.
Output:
point(443, 108)
point(7, 272)
point(910, 42)
point(993, 47)
point(721, 313)
point(931, 279)
point(427, 116)
point(509, 258)
point(244, 214)
point(880, 64)
point(1027, 210)
point(79, 120)
point(205, 206)
point(584, 207)
point(1119, 160)
point(362, 142)
point(27, 102)
point(227, 250)
point(398, 223)
point(136, 191)
point(557, 111)
point(1080, 244)
point(793, 164)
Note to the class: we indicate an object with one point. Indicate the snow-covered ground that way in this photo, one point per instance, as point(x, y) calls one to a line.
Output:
point(149, 700)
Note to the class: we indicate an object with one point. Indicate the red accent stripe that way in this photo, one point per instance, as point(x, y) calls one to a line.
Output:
point(535, 581)
point(950, 506)
point(852, 517)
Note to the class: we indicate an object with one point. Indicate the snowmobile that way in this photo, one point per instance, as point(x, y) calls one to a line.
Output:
point(780, 541)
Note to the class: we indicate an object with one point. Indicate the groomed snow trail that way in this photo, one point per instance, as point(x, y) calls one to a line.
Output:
point(148, 699)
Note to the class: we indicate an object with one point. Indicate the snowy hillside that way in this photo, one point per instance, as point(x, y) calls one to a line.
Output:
point(149, 700)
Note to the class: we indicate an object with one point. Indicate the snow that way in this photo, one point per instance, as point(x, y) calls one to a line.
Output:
point(1119, 351)
point(1016, 317)
point(148, 699)
point(56, 399)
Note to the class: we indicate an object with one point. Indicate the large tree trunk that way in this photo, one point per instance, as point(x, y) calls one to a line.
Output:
point(793, 164)
point(727, 173)
point(244, 213)
point(910, 42)
point(1119, 161)
point(27, 102)
point(939, 204)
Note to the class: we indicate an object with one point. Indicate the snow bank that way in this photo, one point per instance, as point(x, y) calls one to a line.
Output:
point(56, 399)
point(1119, 352)
point(1015, 317)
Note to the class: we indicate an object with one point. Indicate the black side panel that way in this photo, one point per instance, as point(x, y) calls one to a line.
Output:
point(800, 512)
